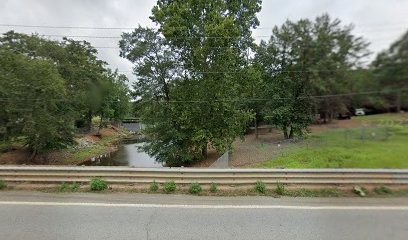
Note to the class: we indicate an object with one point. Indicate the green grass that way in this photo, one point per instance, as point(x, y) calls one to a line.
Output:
point(66, 187)
point(3, 184)
point(324, 192)
point(384, 119)
point(375, 147)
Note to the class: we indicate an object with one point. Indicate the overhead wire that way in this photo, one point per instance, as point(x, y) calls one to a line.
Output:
point(242, 99)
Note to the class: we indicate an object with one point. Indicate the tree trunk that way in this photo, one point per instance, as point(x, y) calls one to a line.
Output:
point(204, 151)
point(256, 128)
point(285, 132)
point(325, 118)
point(100, 124)
point(399, 101)
point(88, 121)
point(291, 133)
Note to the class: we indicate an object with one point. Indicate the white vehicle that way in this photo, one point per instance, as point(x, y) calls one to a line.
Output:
point(359, 112)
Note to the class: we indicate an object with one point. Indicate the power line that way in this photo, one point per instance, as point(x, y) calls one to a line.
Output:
point(288, 98)
point(112, 37)
point(131, 28)
point(65, 27)
point(277, 71)
point(243, 99)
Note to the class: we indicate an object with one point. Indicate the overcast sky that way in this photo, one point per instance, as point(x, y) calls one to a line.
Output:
point(380, 21)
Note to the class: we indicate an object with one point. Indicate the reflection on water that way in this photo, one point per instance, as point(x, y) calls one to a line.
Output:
point(128, 155)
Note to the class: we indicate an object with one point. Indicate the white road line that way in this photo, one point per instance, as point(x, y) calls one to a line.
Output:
point(136, 205)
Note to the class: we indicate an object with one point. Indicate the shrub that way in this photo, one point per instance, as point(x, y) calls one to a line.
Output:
point(69, 187)
point(280, 188)
point(195, 188)
point(3, 184)
point(213, 188)
point(98, 184)
point(260, 187)
point(382, 190)
point(169, 187)
point(154, 187)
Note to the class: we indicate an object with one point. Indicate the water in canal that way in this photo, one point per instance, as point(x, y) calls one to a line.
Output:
point(128, 155)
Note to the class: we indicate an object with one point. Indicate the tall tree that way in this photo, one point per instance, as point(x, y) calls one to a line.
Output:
point(46, 85)
point(336, 52)
point(33, 99)
point(212, 39)
point(76, 62)
point(303, 59)
point(285, 62)
point(391, 67)
point(156, 90)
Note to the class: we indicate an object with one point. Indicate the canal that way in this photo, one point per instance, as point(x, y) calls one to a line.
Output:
point(127, 154)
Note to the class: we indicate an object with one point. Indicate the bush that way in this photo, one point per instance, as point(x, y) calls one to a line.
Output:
point(382, 190)
point(280, 188)
point(195, 188)
point(260, 187)
point(154, 187)
point(3, 184)
point(98, 184)
point(69, 187)
point(169, 187)
point(213, 188)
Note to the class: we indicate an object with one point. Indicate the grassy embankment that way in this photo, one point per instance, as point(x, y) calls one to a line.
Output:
point(384, 146)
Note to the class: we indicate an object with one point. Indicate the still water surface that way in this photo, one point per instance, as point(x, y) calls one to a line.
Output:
point(128, 155)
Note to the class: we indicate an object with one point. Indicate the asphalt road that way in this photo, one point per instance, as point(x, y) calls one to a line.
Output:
point(34, 215)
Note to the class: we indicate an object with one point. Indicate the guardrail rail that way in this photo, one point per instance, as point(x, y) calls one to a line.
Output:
point(128, 175)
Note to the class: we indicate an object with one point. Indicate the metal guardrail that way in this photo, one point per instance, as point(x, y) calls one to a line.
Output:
point(128, 175)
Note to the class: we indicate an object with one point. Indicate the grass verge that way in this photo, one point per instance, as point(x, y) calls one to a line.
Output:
point(67, 187)
point(379, 147)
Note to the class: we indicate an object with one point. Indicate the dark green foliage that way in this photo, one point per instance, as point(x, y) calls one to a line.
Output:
point(195, 188)
point(303, 59)
point(47, 86)
point(383, 190)
point(189, 84)
point(98, 184)
point(35, 102)
point(169, 187)
point(391, 69)
point(213, 188)
point(260, 187)
point(3, 184)
point(280, 188)
point(68, 187)
point(154, 187)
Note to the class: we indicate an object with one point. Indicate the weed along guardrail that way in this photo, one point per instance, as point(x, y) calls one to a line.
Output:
point(128, 175)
